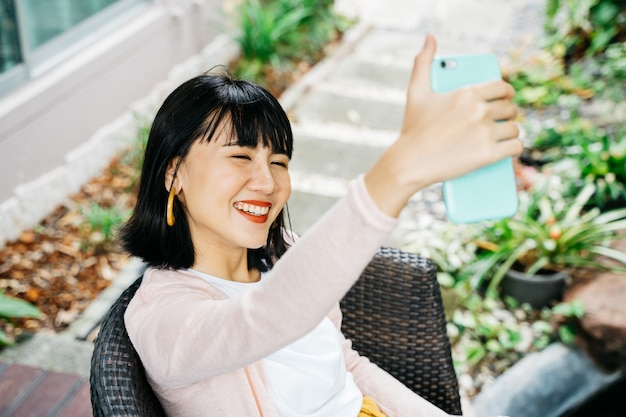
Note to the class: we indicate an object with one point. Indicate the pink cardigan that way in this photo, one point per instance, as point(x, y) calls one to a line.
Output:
point(202, 351)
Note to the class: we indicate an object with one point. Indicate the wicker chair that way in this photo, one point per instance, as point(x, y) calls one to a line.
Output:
point(393, 314)
point(119, 387)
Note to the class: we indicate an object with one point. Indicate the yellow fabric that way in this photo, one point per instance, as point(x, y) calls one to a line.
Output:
point(370, 409)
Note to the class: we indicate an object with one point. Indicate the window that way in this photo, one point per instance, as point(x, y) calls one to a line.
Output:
point(37, 34)
point(9, 41)
point(44, 19)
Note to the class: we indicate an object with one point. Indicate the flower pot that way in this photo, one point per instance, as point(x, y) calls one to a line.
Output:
point(537, 290)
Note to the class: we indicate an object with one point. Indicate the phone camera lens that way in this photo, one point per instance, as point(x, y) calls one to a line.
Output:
point(448, 64)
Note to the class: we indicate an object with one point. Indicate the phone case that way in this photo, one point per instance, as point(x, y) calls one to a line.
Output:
point(488, 193)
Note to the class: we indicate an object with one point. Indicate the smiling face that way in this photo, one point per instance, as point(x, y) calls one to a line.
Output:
point(231, 193)
point(223, 142)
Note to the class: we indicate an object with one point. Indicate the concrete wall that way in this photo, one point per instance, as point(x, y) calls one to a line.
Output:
point(60, 130)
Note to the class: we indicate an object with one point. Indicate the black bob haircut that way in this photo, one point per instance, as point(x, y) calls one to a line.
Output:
point(197, 111)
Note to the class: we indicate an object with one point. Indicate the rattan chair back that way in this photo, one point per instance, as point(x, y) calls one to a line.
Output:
point(394, 315)
point(119, 387)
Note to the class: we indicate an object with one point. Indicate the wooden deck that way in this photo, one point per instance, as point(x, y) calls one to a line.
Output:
point(31, 392)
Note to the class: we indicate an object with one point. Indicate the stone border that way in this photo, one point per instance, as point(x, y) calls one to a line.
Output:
point(548, 383)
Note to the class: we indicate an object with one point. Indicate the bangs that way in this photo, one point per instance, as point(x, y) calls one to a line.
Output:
point(252, 117)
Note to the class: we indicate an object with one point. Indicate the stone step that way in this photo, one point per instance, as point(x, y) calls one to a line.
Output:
point(333, 158)
point(372, 73)
point(399, 48)
point(341, 127)
point(53, 352)
point(360, 111)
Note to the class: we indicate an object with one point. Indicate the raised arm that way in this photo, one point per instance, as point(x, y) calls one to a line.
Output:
point(443, 136)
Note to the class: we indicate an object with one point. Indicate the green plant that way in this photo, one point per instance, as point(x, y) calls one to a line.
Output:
point(603, 74)
point(318, 28)
point(575, 132)
point(583, 153)
point(500, 332)
point(549, 232)
point(133, 158)
point(541, 80)
point(585, 27)
point(266, 32)
point(12, 308)
point(448, 245)
point(603, 163)
point(567, 313)
point(536, 80)
point(101, 224)
point(280, 33)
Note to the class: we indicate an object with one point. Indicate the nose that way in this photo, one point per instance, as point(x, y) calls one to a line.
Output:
point(262, 179)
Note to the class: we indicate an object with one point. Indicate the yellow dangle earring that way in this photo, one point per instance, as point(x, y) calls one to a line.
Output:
point(170, 207)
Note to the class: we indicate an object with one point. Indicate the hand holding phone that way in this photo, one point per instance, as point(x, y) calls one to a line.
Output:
point(443, 136)
point(490, 192)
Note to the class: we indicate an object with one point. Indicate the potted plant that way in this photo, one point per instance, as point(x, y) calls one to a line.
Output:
point(548, 238)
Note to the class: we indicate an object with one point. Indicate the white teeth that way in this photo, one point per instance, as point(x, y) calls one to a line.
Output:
point(252, 209)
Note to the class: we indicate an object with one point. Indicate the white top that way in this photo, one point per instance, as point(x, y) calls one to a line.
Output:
point(307, 378)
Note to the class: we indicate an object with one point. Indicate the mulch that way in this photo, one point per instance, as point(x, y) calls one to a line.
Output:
point(63, 264)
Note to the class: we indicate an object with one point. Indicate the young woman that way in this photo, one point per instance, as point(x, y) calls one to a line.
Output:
point(234, 317)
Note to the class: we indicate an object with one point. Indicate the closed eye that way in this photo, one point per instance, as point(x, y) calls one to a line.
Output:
point(242, 156)
point(280, 163)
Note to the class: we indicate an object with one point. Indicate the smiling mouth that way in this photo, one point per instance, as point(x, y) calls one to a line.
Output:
point(253, 209)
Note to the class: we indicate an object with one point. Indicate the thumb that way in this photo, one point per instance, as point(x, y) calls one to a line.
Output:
point(420, 77)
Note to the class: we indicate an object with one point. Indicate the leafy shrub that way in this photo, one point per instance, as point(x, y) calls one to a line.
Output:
point(549, 232)
point(583, 153)
point(267, 32)
point(585, 27)
point(604, 75)
point(603, 163)
point(275, 35)
point(486, 330)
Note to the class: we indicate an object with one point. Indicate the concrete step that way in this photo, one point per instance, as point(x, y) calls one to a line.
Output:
point(372, 73)
point(357, 110)
point(333, 158)
point(53, 352)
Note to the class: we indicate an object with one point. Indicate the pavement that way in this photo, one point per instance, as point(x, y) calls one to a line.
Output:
point(345, 112)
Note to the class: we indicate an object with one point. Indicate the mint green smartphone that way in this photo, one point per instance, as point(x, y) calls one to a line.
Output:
point(488, 193)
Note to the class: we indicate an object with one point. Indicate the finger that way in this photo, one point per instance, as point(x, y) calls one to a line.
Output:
point(504, 131)
point(420, 77)
point(502, 110)
point(495, 90)
point(511, 147)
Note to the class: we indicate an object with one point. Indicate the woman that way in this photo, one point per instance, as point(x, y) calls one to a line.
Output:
point(233, 317)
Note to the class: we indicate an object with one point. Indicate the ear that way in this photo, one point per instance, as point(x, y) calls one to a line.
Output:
point(170, 173)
